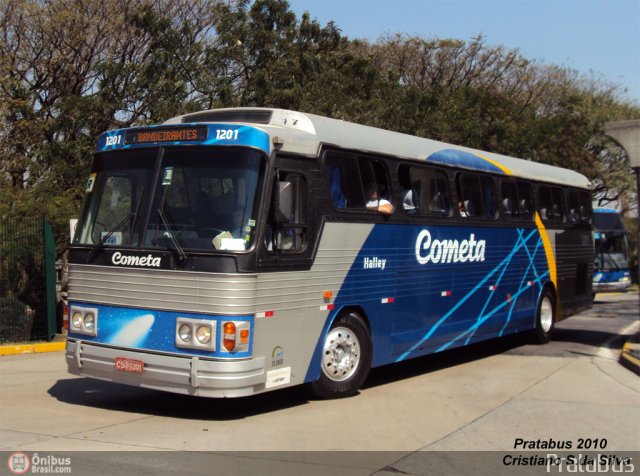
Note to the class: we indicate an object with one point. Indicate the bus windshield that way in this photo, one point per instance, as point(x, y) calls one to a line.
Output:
point(611, 251)
point(184, 198)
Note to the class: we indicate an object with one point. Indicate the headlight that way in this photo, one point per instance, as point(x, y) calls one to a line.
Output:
point(89, 321)
point(203, 334)
point(76, 320)
point(195, 334)
point(84, 320)
point(185, 333)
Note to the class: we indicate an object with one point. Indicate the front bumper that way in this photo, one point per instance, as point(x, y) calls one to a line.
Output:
point(616, 286)
point(189, 375)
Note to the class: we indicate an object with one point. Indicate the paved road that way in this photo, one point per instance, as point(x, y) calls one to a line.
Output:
point(480, 398)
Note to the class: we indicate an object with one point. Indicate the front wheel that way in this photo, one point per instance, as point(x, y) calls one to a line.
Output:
point(346, 358)
point(545, 317)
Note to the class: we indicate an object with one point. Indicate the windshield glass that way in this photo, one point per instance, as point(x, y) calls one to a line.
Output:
point(611, 252)
point(203, 199)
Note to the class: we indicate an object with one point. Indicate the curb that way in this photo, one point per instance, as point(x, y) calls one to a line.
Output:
point(630, 356)
point(18, 349)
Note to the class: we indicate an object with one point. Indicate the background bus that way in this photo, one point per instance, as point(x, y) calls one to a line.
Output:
point(232, 252)
point(612, 259)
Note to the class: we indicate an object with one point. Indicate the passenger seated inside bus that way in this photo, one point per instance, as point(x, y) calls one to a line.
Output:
point(379, 204)
point(409, 201)
point(466, 208)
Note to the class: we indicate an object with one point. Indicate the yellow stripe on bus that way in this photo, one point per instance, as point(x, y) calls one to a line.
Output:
point(548, 250)
point(493, 162)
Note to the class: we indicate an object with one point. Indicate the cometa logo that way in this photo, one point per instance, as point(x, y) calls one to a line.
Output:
point(448, 251)
point(124, 260)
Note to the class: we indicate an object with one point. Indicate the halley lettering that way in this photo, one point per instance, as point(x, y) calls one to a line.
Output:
point(374, 263)
point(448, 251)
point(124, 260)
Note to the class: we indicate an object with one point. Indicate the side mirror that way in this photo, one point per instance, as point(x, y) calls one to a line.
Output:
point(284, 200)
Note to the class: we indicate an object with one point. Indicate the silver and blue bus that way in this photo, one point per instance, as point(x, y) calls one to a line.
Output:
point(612, 271)
point(230, 252)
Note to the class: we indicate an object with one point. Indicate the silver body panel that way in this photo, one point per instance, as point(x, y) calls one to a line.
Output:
point(296, 299)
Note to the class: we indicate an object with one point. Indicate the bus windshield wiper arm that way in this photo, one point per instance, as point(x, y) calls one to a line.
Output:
point(182, 256)
point(98, 246)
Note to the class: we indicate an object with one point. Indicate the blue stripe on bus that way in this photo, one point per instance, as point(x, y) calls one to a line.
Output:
point(149, 329)
point(490, 298)
point(461, 158)
point(247, 136)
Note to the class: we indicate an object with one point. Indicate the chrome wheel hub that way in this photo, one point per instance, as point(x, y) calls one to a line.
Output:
point(546, 315)
point(340, 354)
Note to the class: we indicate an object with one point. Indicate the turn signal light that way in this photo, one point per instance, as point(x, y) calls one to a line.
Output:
point(229, 336)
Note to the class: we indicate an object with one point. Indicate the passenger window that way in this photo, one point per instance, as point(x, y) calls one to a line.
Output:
point(489, 197)
point(551, 206)
point(476, 196)
point(425, 191)
point(510, 200)
point(585, 206)
point(469, 196)
point(516, 200)
point(573, 201)
point(545, 203)
point(345, 186)
point(358, 183)
point(558, 204)
point(525, 201)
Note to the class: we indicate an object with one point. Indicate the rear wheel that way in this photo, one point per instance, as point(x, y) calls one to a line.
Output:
point(346, 358)
point(545, 317)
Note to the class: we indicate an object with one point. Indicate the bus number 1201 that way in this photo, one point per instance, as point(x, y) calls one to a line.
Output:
point(227, 134)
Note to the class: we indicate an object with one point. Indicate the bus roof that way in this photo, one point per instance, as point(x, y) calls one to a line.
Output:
point(305, 134)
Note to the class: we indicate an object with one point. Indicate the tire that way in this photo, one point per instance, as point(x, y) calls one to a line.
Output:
point(346, 358)
point(545, 317)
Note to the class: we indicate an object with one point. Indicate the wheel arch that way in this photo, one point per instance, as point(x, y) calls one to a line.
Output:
point(313, 370)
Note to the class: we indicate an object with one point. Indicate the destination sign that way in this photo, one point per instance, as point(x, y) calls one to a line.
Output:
point(165, 134)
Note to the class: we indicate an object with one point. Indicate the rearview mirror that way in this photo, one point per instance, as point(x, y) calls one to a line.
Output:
point(284, 201)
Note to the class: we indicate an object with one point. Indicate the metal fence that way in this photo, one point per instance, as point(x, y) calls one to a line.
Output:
point(27, 281)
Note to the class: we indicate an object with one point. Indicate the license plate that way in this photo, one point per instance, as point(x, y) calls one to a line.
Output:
point(129, 365)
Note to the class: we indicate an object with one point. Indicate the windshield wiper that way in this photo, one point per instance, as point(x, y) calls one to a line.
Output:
point(98, 246)
point(182, 256)
point(105, 238)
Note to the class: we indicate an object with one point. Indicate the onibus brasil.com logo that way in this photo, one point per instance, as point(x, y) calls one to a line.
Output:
point(22, 463)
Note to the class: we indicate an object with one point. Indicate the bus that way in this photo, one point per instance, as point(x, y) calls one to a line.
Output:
point(230, 252)
point(612, 270)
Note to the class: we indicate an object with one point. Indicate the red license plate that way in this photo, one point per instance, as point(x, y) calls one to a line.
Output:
point(129, 365)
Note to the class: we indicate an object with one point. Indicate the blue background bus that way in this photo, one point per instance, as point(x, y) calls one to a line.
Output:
point(612, 259)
